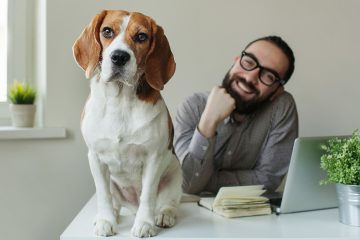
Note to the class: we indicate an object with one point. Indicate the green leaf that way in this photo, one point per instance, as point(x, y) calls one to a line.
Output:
point(22, 93)
point(341, 160)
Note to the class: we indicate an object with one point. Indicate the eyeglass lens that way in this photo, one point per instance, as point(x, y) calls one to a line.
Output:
point(248, 63)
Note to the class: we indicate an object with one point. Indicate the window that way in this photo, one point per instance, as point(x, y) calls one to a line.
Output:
point(16, 47)
point(3, 50)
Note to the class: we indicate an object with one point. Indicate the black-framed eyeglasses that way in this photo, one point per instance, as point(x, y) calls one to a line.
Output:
point(266, 75)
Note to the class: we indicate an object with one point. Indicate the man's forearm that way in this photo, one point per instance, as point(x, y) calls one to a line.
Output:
point(207, 126)
point(196, 173)
point(222, 178)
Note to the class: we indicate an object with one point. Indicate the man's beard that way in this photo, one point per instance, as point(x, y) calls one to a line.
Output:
point(243, 106)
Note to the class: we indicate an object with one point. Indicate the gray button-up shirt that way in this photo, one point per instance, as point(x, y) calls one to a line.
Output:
point(255, 151)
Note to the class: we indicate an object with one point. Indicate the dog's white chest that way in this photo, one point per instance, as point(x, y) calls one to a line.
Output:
point(121, 128)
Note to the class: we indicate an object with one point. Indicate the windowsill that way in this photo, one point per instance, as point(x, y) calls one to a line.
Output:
point(32, 133)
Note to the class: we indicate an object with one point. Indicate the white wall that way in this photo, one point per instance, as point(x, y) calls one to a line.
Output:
point(43, 184)
point(206, 35)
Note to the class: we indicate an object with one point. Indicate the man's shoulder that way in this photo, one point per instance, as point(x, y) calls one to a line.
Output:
point(197, 99)
point(199, 96)
point(283, 105)
point(285, 99)
point(193, 105)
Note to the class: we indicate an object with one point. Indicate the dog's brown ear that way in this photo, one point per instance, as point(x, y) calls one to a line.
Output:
point(87, 47)
point(160, 64)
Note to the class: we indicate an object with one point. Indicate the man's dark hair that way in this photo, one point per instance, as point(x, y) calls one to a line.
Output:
point(280, 43)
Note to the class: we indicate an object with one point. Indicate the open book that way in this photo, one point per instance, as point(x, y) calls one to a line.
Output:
point(238, 201)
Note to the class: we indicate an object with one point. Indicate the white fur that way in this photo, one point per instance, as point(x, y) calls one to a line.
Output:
point(128, 145)
point(119, 43)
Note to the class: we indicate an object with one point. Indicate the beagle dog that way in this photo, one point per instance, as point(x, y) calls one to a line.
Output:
point(126, 124)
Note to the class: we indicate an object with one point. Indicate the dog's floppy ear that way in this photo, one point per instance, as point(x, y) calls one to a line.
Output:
point(87, 47)
point(160, 64)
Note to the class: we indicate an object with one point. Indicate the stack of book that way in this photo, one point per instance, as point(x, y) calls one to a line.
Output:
point(238, 201)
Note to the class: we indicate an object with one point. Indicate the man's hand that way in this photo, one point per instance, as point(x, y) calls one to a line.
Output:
point(219, 106)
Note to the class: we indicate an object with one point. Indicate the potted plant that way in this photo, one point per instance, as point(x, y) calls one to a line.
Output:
point(22, 107)
point(341, 161)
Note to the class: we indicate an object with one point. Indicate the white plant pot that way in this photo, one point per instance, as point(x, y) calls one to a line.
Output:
point(22, 115)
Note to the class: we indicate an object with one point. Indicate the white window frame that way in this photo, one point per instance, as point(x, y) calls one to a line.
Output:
point(3, 112)
point(3, 49)
point(20, 47)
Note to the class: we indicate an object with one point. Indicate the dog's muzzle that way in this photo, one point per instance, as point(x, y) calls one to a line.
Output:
point(119, 58)
point(121, 68)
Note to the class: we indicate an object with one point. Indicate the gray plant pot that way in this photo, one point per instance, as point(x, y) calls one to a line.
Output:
point(22, 115)
point(349, 203)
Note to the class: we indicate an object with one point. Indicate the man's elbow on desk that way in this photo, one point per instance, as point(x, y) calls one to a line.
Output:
point(190, 188)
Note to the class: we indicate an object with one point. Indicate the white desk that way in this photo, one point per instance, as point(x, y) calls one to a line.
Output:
point(195, 222)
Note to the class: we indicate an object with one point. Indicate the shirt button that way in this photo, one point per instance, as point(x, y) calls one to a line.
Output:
point(204, 148)
point(196, 174)
point(229, 152)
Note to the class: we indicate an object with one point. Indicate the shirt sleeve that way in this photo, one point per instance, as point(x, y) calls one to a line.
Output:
point(273, 161)
point(194, 151)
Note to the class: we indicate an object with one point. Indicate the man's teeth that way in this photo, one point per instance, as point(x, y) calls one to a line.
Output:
point(244, 87)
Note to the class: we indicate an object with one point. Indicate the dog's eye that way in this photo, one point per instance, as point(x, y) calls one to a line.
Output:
point(141, 37)
point(107, 32)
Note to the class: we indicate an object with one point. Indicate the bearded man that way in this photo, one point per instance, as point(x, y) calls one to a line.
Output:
point(241, 133)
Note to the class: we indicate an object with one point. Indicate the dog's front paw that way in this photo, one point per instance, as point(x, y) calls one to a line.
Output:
point(144, 229)
point(104, 228)
point(166, 218)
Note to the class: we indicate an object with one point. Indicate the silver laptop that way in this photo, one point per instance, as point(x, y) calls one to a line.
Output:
point(303, 191)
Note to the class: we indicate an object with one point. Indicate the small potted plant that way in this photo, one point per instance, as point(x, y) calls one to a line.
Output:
point(341, 161)
point(22, 107)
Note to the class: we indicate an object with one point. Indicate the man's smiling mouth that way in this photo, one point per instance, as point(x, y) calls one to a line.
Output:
point(242, 87)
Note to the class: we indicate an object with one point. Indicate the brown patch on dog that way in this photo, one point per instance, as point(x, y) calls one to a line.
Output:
point(87, 48)
point(146, 93)
point(171, 133)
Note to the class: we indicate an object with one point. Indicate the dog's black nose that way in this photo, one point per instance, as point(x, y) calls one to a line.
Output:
point(119, 57)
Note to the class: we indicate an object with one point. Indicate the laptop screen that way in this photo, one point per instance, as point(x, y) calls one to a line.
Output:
point(303, 191)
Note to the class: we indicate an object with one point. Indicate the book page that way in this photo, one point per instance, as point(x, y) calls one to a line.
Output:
point(207, 202)
point(246, 206)
point(237, 201)
point(232, 213)
point(239, 192)
point(185, 197)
